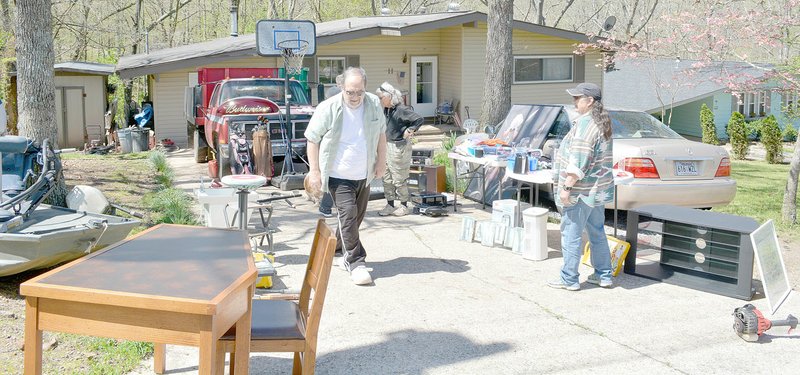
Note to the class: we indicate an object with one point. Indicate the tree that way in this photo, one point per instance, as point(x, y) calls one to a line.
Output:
point(497, 84)
point(772, 139)
point(36, 90)
point(708, 126)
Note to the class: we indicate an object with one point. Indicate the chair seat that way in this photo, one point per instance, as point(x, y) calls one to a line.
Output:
point(273, 320)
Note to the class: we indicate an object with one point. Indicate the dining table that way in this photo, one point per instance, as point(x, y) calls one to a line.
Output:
point(170, 284)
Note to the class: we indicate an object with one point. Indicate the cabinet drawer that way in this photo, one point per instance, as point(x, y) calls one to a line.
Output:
point(708, 234)
point(699, 263)
point(700, 245)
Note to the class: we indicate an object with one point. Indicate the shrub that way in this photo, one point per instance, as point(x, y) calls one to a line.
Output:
point(753, 129)
point(708, 126)
point(772, 139)
point(737, 132)
point(790, 133)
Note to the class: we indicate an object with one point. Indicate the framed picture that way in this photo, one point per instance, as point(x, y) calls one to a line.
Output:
point(770, 265)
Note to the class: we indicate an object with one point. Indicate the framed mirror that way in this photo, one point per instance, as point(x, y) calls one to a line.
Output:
point(770, 265)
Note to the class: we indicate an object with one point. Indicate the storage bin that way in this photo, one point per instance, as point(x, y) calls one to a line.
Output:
point(125, 140)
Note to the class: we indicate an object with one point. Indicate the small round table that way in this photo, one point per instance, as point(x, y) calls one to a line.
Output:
point(243, 183)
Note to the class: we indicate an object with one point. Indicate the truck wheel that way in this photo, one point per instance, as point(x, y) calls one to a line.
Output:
point(223, 163)
point(200, 146)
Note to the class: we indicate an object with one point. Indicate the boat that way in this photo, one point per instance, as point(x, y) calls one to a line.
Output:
point(35, 235)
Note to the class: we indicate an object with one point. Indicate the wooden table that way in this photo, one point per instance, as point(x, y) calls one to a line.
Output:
point(171, 284)
point(481, 163)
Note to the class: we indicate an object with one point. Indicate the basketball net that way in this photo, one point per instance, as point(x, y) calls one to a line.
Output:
point(293, 51)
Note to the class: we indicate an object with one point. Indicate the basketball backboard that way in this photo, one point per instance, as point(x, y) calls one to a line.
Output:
point(271, 35)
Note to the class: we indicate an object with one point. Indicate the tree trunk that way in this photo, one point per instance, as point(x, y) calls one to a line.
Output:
point(789, 209)
point(497, 86)
point(36, 88)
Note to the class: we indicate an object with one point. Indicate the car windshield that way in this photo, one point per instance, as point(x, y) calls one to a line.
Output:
point(271, 89)
point(626, 124)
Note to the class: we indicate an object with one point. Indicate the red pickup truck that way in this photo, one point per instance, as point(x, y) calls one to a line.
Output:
point(225, 108)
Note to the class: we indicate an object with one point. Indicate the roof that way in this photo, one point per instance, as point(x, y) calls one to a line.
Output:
point(637, 84)
point(327, 33)
point(85, 67)
point(79, 67)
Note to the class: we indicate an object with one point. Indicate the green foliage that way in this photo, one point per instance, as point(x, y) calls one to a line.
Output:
point(708, 126)
point(737, 132)
point(171, 206)
point(440, 158)
point(163, 173)
point(789, 133)
point(753, 129)
point(772, 139)
point(759, 194)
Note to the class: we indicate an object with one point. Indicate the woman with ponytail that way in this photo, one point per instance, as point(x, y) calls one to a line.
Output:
point(585, 185)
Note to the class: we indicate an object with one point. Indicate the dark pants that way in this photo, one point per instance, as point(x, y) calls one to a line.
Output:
point(351, 198)
point(326, 203)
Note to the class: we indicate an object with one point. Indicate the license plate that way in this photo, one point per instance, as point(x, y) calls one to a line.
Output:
point(686, 168)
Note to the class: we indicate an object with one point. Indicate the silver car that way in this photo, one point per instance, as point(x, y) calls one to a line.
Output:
point(667, 168)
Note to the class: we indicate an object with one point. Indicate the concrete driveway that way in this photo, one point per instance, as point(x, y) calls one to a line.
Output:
point(443, 306)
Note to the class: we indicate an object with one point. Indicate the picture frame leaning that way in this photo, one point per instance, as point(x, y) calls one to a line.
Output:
point(771, 267)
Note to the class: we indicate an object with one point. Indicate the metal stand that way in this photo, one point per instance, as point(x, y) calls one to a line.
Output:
point(243, 193)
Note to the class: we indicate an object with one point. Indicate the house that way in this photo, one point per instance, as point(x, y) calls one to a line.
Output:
point(671, 90)
point(80, 101)
point(434, 57)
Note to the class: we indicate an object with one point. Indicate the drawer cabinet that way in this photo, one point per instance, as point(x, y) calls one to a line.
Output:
point(704, 250)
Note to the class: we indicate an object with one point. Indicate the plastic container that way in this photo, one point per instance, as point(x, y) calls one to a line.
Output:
point(534, 245)
point(140, 139)
point(125, 140)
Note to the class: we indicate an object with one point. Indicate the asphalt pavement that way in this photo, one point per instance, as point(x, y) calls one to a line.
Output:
point(443, 306)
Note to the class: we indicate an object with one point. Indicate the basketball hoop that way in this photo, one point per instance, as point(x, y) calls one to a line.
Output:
point(293, 51)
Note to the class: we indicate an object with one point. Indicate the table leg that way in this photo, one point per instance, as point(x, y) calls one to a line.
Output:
point(33, 337)
point(159, 358)
point(519, 205)
point(483, 186)
point(241, 347)
point(208, 353)
point(455, 185)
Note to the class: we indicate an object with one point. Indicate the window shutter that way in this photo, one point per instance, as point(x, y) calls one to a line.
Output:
point(352, 61)
point(579, 68)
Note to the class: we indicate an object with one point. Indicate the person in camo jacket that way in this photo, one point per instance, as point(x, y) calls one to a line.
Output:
point(401, 123)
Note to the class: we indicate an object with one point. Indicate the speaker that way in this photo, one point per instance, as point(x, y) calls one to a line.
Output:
point(431, 179)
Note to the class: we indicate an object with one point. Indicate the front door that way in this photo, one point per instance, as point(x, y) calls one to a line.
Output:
point(424, 76)
point(70, 117)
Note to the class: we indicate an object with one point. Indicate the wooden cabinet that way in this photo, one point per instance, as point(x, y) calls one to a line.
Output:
point(430, 178)
point(703, 250)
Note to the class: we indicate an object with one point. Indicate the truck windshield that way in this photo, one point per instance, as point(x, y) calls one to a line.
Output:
point(271, 89)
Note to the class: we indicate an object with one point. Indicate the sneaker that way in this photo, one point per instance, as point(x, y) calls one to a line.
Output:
point(326, 214)
point(386, 211)
point(360, 275)
point(340, 263)
point(401, 211)
point(603, 283)
point(558, 284)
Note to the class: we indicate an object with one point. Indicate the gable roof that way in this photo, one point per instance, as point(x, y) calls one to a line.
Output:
point(82, 67)
point(327, 33)
point(636, 84)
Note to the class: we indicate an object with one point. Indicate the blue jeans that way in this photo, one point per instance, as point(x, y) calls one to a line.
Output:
point(574, 219)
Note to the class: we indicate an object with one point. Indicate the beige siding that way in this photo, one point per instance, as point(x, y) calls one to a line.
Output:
point(523, 43)
point(382, 56)
point(94, 101)
point(450, 66)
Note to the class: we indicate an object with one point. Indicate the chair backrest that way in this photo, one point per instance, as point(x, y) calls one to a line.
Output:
point(315, 282)
point(471, 125)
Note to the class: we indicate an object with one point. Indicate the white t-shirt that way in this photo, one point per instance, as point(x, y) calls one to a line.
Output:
point(351, 157)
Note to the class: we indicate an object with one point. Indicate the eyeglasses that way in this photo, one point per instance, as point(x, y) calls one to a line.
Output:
point(354, 93)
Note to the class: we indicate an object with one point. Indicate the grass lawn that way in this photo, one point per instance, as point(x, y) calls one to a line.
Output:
point(759, 194)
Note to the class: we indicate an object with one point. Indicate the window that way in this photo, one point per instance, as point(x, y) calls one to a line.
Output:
point(532, 69)
point(328, 68)
point(790, 100)
point(752, 104)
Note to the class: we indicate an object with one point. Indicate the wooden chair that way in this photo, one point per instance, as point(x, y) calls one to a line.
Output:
point(291, 326)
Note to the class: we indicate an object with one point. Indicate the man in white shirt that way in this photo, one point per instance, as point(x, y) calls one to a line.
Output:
point(346, 150)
